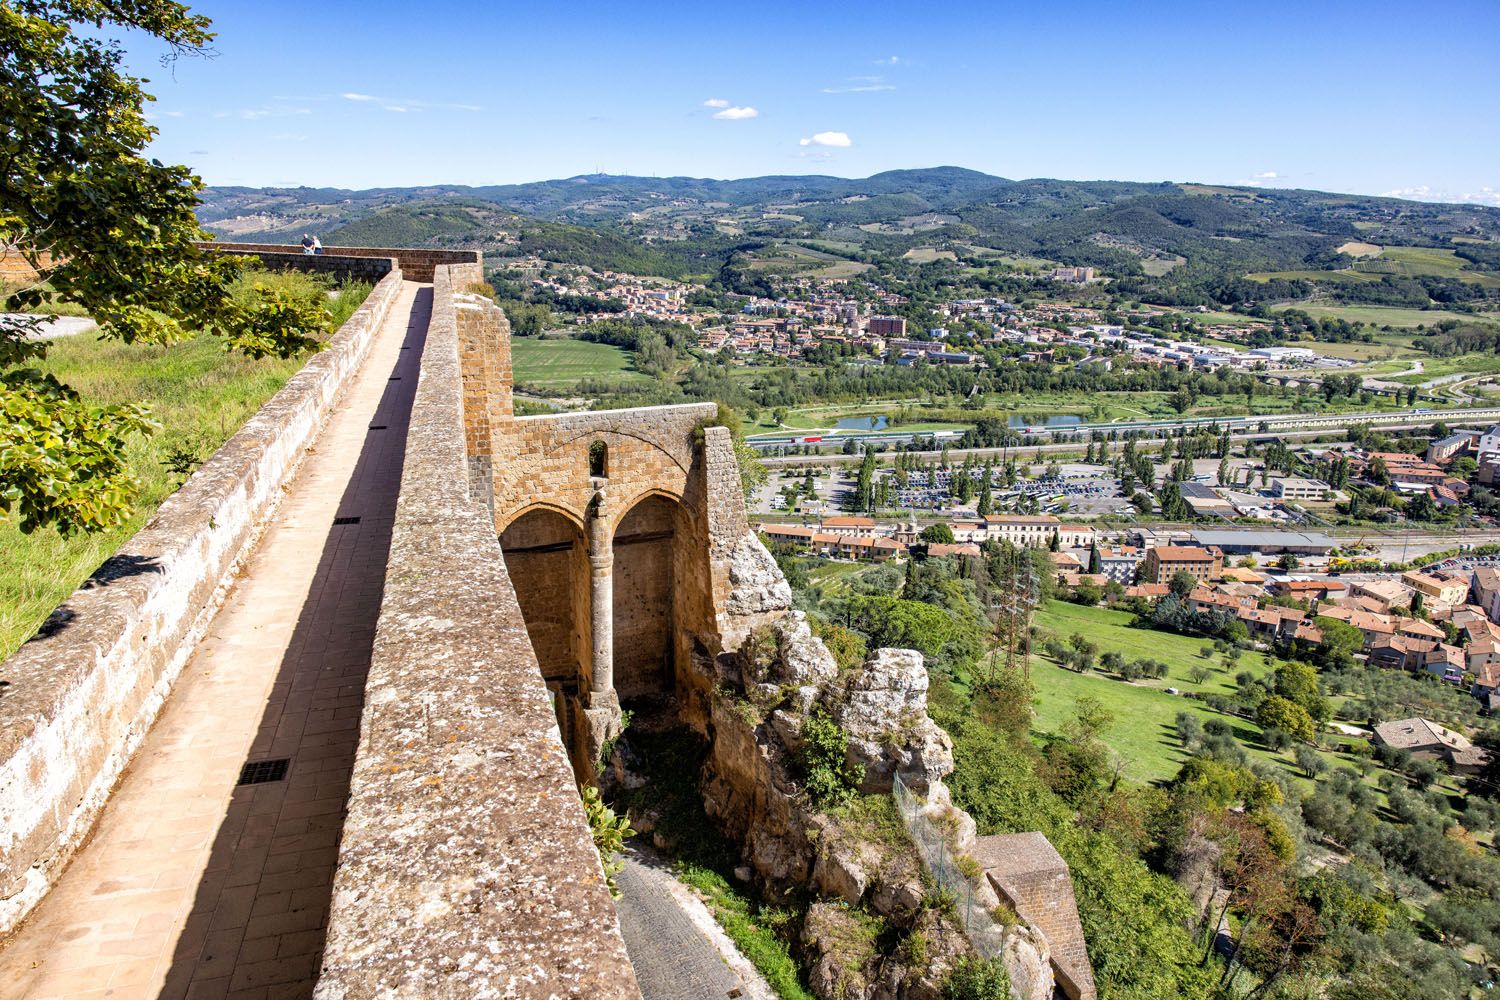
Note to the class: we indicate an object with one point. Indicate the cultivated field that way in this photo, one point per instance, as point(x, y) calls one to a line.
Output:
point(554, 363)
point(1395, 316)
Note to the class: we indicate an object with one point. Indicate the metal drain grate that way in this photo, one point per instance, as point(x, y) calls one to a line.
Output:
point(259, 772)
point(346, 520)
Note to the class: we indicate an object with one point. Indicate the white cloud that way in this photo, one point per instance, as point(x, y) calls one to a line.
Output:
point(1266, 178)
point(736, 114)
point(839, 139)
point(860, 85)
point(257, 114)
point(1425, 192)
point(716, 102)
point(401, 104)
point(890, 61)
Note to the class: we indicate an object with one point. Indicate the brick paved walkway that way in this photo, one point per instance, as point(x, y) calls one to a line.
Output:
point(678, 951)
point(193, 887)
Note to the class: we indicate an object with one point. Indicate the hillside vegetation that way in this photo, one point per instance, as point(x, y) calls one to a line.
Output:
point(1182, 244)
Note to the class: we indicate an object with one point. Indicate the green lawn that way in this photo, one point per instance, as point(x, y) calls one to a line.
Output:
point(555, 363)
point(1111, 631)
point(1144, 713)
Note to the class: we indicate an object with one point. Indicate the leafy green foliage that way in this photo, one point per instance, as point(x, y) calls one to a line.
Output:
point(827, 775)
point(109, 231)
point(1281, 713)
point(940, 533)
point(975, 978)
point(610, 832)
point(61, 460)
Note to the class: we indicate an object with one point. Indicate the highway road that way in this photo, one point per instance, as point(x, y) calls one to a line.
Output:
point(1289, 426)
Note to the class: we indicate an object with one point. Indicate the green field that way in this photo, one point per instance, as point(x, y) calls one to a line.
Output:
point(1390, 347)
point(927, 255)
point(1414, 261)
point(1464, 364)
point(1387, 315)
point(1144, 713)
point(555, 363)
point(1400, 261)
point(1110, 629)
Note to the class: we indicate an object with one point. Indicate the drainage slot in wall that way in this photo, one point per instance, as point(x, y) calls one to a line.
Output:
point(378, 427)
point(394, 378)
point(260, 772)
point(346, 520)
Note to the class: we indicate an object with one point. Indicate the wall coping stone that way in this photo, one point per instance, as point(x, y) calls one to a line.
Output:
point(466, 866)
point(82, 694)
point(416, 264)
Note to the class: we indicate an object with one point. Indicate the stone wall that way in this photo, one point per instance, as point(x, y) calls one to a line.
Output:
point(1033, 879)
point(466, 866)
point(417, 265)
point(79, 697)
point(341, 266)
point(545, 459)
point(16, 270)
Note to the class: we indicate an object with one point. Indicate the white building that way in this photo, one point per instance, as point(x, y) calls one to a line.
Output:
point(1293, 488)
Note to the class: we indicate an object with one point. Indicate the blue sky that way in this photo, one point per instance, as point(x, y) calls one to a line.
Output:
point(1369, 97)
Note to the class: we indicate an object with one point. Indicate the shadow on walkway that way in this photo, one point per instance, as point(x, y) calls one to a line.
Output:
point(260, 914)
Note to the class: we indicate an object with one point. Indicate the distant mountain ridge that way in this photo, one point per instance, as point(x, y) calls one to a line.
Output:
point(687, 225)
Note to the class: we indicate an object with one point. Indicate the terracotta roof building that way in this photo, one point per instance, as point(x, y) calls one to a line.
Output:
point(1165, 561)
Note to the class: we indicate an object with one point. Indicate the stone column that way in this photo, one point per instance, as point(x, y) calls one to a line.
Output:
point(602, 591)
point(603, 711)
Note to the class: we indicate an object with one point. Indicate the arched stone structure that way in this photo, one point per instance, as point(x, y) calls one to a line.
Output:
point(546, 557)
point(645, 546)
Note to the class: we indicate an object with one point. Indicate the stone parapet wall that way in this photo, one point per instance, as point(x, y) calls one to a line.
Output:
point(417, 265)
point(466, 867)
point(15, 269)
point(341, 266)
point(80, 696)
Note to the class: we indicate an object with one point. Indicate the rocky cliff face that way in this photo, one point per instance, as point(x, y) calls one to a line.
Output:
point(755, 699)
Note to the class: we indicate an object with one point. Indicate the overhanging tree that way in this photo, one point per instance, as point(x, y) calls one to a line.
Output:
point(111, 230)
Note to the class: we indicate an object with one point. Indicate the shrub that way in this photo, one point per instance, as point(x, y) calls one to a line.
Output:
point(976, 978)
point(828, 777)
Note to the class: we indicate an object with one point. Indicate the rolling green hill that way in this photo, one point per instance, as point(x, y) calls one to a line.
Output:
point(1188, 242)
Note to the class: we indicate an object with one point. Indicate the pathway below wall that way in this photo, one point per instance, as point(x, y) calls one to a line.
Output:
point(679, 951)
point(197, 886)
